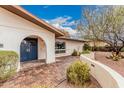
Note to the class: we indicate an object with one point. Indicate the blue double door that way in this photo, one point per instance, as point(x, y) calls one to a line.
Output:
point(29, 49)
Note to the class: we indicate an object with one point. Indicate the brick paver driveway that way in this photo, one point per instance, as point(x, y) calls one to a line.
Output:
point(45, 75)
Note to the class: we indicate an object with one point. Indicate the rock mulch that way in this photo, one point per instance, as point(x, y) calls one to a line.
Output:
point(115, 65)
point(44, 75)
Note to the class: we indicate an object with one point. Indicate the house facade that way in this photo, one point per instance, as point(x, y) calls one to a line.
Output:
point(65, 46)
point(30, 37)
point(97, 43)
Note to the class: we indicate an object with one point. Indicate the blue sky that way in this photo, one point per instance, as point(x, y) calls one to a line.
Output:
point(60, 16)
point(53, 11)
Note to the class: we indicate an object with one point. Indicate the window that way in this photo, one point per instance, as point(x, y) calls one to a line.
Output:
point(60, 47)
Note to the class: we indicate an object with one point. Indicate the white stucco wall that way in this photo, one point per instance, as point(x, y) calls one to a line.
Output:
point(13, 29)
point(70, 46)
point(107, 77)
point(41, 49)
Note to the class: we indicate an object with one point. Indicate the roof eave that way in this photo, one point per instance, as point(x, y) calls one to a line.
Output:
point(26, 15)
point(71, 39)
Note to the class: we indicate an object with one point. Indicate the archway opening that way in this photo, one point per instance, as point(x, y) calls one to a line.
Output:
point(32, 48)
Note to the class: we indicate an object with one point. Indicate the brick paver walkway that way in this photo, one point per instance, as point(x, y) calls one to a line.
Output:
point(45, 75)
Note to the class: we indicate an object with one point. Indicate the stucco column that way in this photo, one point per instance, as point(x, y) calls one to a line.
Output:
point(18, 52)
point(50, 51)
point(50, 58)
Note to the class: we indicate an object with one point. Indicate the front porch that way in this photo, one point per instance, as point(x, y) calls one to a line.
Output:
point(35, 51)
point(31, 64)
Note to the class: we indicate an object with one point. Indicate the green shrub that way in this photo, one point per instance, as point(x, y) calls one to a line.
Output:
point(78, 73)
point(122, 50)
point(86, 52)
point(87, 47)
point(115, 57)
point(8, 64)
point(102, 48)
point(75, 53)
point(80, 53)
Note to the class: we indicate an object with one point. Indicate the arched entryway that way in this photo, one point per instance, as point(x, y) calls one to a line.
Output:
point(32, 48)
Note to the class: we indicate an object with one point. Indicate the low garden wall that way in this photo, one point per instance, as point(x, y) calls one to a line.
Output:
point(106, 77)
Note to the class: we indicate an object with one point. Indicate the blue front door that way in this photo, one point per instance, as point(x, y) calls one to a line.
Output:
point(28, 49)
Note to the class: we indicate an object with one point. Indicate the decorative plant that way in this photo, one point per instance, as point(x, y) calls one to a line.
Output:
point(87, 47)
point(78, 73)
point(86, 52)
point(115, 57)
point(75, 53)
point(8, 64)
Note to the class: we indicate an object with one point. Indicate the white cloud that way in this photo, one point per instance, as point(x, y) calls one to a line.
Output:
point(63, 23)
point(69, 29)
point(46, 20)
point(60, 20)
point(69, 23)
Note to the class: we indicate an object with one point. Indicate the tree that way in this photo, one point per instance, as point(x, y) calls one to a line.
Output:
point(106, 24)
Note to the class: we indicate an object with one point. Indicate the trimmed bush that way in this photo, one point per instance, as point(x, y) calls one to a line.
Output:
point(78, 73)
point(87, 47)
point(122, 50)
point(86, 52)
point(8, 64)
point(80, 53)
point(75, 53)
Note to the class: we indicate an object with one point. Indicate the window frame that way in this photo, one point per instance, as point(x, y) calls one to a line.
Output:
point(59, 50)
